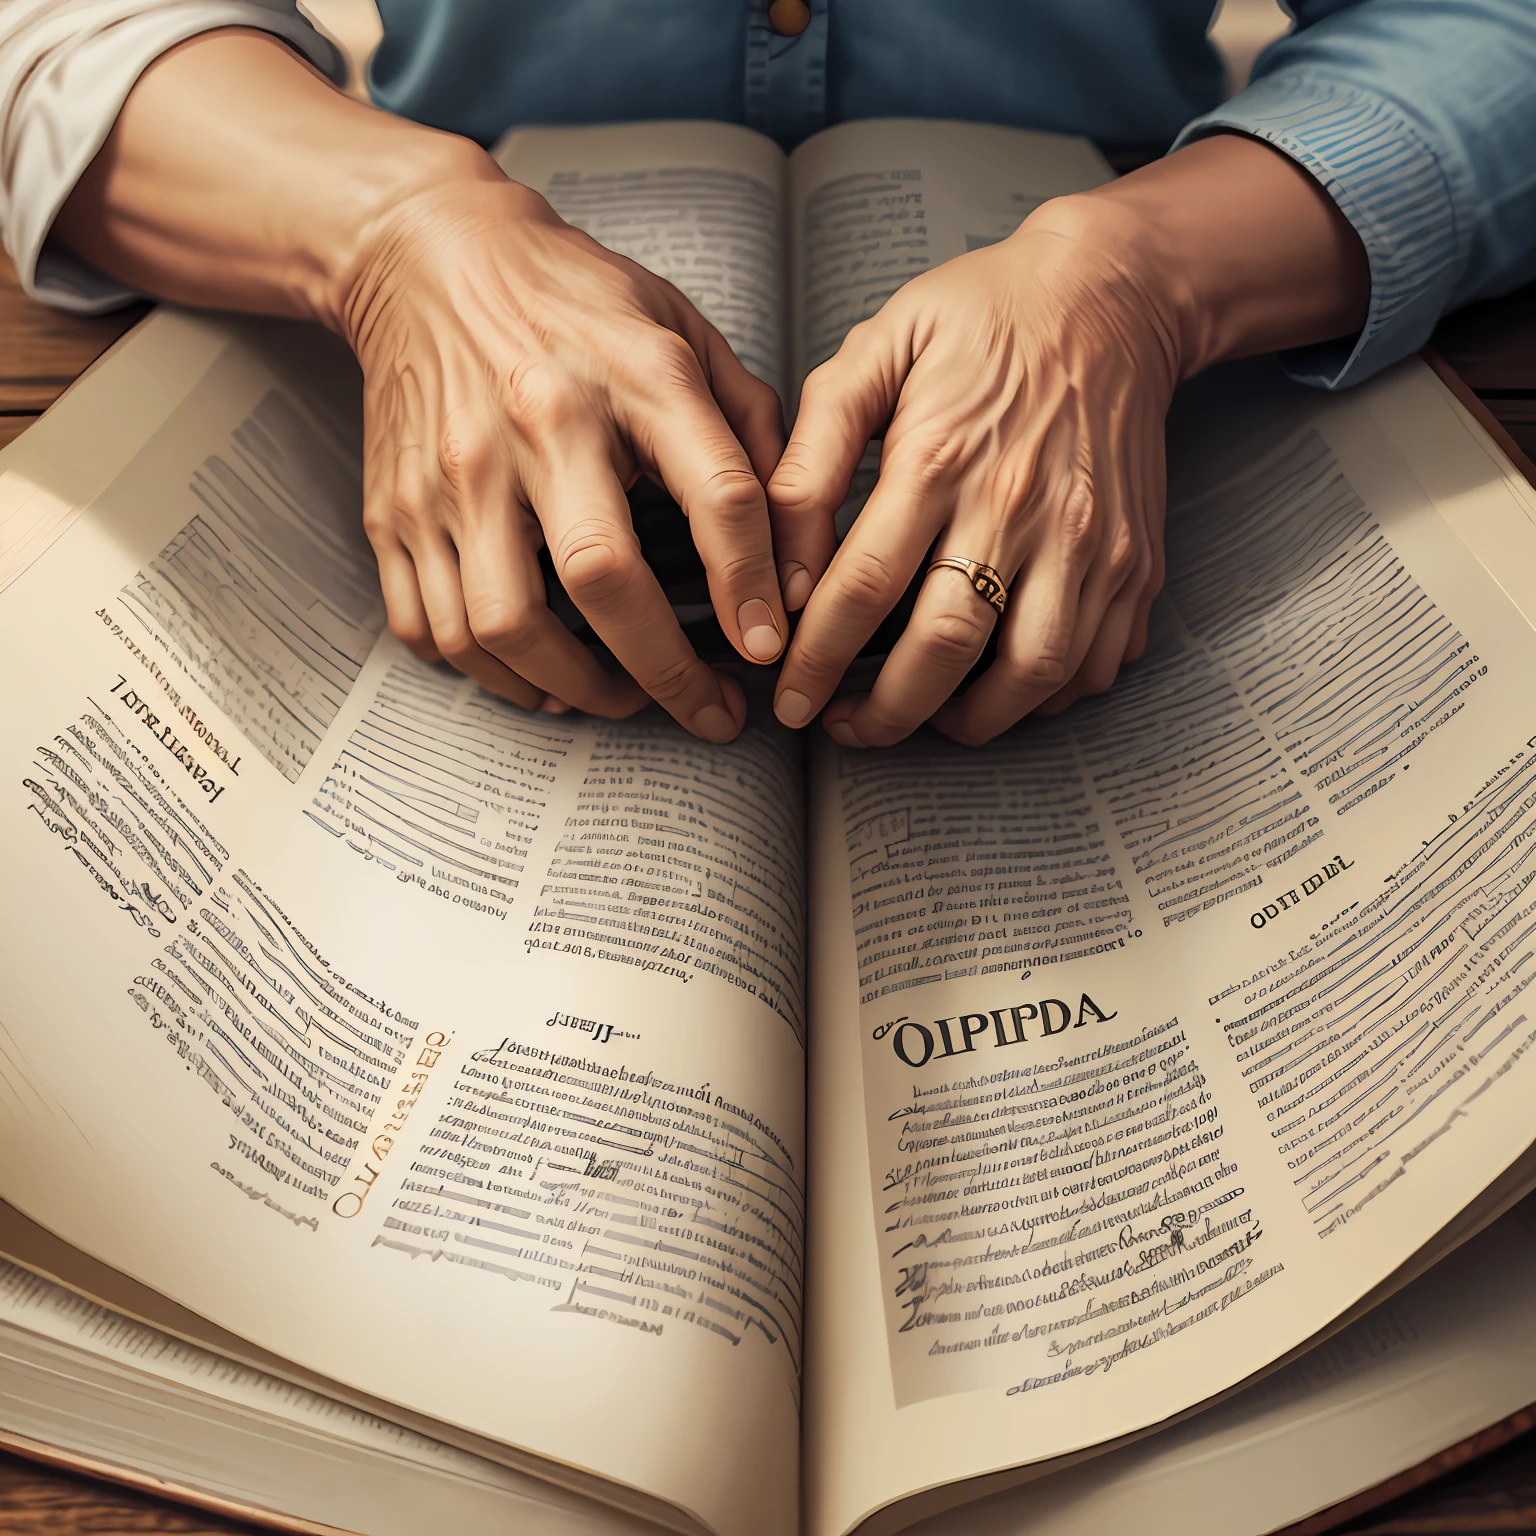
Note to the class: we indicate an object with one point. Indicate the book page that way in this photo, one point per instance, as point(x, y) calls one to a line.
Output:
point(698, 204)
point(1446, 1358)
point(1184, 1020)
point(450, 1052)
point(87, 1382)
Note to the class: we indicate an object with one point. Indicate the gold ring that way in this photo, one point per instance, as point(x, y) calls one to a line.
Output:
point(988, 584)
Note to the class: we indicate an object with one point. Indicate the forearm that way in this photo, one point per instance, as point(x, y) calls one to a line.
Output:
point(1236, 247)
point(237, 177)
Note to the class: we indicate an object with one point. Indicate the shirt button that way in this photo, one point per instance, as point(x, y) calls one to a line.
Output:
point(789, 18)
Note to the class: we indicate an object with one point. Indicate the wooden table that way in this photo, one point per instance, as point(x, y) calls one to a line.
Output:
point(1491, 347)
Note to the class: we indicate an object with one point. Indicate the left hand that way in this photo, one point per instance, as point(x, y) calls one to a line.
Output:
point(1026, 387)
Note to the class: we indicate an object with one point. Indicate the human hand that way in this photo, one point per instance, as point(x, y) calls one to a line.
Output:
point(518, 379)
point(1026, 386)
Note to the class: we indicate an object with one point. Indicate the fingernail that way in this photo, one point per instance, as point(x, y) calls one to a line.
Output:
point(792, 707)
point(795, 583)
point(843, 734)
point(759, 634)
point(553, 706)
point(714, 723)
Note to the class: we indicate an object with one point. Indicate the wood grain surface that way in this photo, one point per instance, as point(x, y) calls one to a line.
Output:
point(41, 1501)
point(1492, 346)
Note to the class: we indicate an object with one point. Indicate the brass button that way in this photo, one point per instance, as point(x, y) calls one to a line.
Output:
point(789, 18)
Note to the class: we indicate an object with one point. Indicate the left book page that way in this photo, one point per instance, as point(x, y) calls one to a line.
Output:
point(450, 1052)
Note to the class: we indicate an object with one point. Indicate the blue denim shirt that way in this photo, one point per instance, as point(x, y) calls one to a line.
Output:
point(1418, 116)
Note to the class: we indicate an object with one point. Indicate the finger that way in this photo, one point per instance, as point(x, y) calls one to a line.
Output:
point(1119, 581)
point(437, 574)
point(503, 588)
point(509, 617)
point(1129, 567)
point(1043, 635)
point(586, 522)
point(751, 407)
point(1153, 486)
point(842, 404)
point(1102, 661)
point(862, 584)
point(402, 599)
point(397, 574)
point(941, 643)
point(675, 425)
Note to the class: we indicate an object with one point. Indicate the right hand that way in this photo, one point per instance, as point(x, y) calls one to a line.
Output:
point(518, 379)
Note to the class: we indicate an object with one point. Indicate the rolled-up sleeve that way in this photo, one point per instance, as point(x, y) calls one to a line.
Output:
point(66, 67)
point(1419, 119)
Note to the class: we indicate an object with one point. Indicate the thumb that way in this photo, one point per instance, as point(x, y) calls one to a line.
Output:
point(843, 404)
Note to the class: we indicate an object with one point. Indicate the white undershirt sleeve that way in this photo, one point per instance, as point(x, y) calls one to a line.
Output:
point(66, 67)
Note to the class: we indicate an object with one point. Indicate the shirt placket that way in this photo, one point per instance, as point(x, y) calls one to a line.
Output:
point(786, 75)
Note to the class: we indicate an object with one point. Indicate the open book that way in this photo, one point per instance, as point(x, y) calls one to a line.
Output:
point(767, 1138)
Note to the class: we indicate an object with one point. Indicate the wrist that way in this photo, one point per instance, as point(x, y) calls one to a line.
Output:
point(1101, 247)
point(401, 240)
point(1236, 248)
point(382, 218)
point(237, 177)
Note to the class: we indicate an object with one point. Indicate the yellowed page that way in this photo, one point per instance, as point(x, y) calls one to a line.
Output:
point(87, 1382)
point(1448, 1356)
point(1180, 1023)
point(450, 1052)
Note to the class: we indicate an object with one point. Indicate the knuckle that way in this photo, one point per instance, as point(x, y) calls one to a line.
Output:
point(795, 490)
point(411, 520)
point(867, 581)
point(463, 456)
point(1075, 521)
point(1034, 674)
point(668, 683)
point(734, 498)
point(593, 563)
point(503, 627)
point(456, 643)
point(378, 521)
point(412, 509)
point(755, 571)
point(663, 357)
point(955, 639)
point(815, 662)
point(540, 400)
point(411, 630)
point(1127, 556)
point(924, 455)
point(1014, 488)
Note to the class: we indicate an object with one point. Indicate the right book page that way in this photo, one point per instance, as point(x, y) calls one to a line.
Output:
point(1180, 1023)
